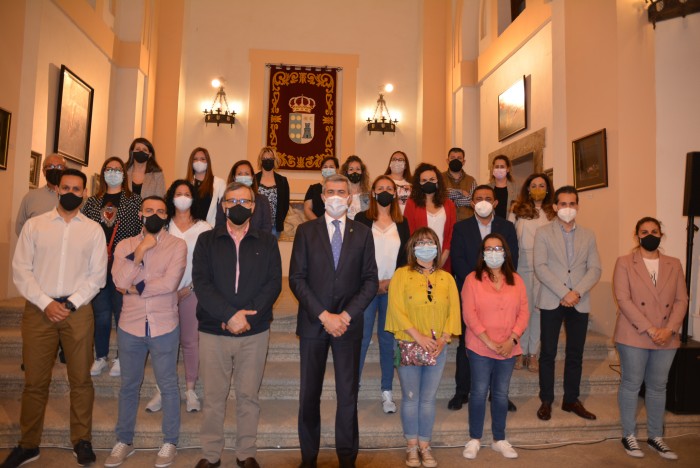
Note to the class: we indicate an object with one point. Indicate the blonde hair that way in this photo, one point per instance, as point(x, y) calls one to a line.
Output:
point(268, 149)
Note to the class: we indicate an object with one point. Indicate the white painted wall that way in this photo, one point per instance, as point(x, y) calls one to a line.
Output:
point(219, 36)
point(678, 132)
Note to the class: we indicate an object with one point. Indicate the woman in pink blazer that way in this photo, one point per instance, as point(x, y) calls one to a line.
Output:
point(652, 300)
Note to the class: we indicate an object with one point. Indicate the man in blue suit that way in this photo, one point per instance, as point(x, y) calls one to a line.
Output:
point(333, 274)
point(466, 243)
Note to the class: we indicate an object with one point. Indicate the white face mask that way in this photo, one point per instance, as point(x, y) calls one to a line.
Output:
point(199, 166)
point(397, 167)
point(336, 206)
point(500, 173)
point(566, 214)
point(483, 208)
point(244, 179)
point(494, 259)
point(182, 202)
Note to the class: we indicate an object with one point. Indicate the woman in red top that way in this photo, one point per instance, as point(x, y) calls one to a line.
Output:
point(430, 207)
point(494, 306)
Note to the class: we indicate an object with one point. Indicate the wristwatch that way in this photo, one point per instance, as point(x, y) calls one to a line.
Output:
point(70, 306)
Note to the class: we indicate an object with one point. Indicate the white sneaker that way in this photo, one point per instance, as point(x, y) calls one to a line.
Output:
point(388, 404)
point(193, 403)
point(504, 448)
point(120, 452)
point(98, 366)
point(166, 455)
point(116, 370)
point(632, 447)
point(155, 404)
point(658, 444)
point(471, 449)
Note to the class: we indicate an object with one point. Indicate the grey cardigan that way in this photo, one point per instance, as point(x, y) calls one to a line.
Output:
point(153, 183)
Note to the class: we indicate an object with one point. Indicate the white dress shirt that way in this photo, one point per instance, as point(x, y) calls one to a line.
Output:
point(57, 259)
point(331, 226)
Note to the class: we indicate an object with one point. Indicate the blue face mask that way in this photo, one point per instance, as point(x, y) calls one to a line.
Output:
point(327, 172)
point(426, 253)
point(245, 180)
point(114, 178)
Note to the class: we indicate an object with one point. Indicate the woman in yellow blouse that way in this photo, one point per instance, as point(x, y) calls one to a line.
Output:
point(424, 309)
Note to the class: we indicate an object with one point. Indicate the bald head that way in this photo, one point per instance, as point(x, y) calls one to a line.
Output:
point(54, 164)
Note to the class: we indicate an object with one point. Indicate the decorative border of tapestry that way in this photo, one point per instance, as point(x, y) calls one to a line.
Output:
point(301, 116)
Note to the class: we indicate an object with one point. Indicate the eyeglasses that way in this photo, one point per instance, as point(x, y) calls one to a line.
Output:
point(397, 160)
point(430, 290)
point(60, 167)
point(243, 201)
point(425, 243)
point(494, 249)
point(113, 170)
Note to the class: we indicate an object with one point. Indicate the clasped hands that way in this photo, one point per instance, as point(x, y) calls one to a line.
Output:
point(56, 311)
point(335, 324)
point(571, 299)
point(659, 336)
point(504, 348)
point(431, 345)
point(239, 322)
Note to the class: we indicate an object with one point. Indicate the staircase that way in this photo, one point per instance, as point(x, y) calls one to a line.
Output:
point(280, 392)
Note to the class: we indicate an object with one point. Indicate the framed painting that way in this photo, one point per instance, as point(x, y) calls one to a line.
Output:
point(5, 118)
point(73, 117)
point(591, 161)
point(34, 169)
point(512, 110)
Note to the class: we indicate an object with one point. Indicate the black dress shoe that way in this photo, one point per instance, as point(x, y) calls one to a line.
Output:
point(511, 406)
point(249, 462)
point(83, 453)
point(545, 411)
point(19, 456)
point(577, 408)
point(204, 463)
point(457, 402)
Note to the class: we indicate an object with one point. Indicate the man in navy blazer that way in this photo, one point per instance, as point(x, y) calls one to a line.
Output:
point(466, 244)
point(333, 274)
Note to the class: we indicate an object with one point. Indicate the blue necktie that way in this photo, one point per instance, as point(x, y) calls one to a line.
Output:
point(336, 242)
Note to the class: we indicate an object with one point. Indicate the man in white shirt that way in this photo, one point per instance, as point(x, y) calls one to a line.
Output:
point(59, 265)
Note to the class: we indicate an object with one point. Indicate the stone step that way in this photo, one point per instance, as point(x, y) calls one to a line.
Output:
point(278, 424)
point(281, 381)
point(284, 346)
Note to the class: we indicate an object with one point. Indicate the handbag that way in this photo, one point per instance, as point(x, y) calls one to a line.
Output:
point(410, 353)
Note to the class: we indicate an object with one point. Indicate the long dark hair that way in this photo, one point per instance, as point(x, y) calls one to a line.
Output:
point(103, 183)
point(232, 174)
point(524, 206)
point(364, 182)
point(417, 194)
point(506, 268)
point(394, 210)
point(206, 188)
point(170, 196)
point(151, 164)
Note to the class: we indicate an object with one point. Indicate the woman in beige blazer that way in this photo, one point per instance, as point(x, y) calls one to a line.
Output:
point(651, 296)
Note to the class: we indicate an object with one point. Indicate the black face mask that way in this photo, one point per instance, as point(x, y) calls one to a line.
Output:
point(456, 165)
point(140, 156)
point(153, 223)
point(429, 187)
point(384, 198)
point(238, 214)
point(268, 164)
point(53, 176)
point(650, 242)
point(355, 177)
point(70, 201)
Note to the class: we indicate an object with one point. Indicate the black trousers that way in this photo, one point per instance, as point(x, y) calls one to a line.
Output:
point(576, 325)
point(346, 364)
point(463, 376)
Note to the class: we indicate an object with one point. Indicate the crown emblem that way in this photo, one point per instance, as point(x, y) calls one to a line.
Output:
point(302, 104)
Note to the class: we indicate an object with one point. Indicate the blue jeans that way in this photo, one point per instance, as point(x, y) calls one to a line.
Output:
point(650, 366)
point(419, 385)
point(132, 358)
point(377, 308)
point(106, 303)
point(495, 373)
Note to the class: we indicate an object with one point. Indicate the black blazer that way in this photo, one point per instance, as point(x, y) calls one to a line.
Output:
point(466, 241)
point(404, 234)
point(282, 198)
point(214, 278)
point(318, 286)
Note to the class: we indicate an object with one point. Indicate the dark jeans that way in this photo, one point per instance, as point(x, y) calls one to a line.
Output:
point(494, 374)
point(462, 372)
point(108, 302)
point(576, 325)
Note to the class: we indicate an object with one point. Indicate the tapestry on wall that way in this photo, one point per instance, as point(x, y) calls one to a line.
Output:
point(301, 117)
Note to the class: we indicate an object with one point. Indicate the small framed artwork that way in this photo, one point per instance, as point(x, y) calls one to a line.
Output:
point(512, 110)
point(94, 184)
point(34, 170)
point(5, 118)
point(591, 161)
point(73, 117)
